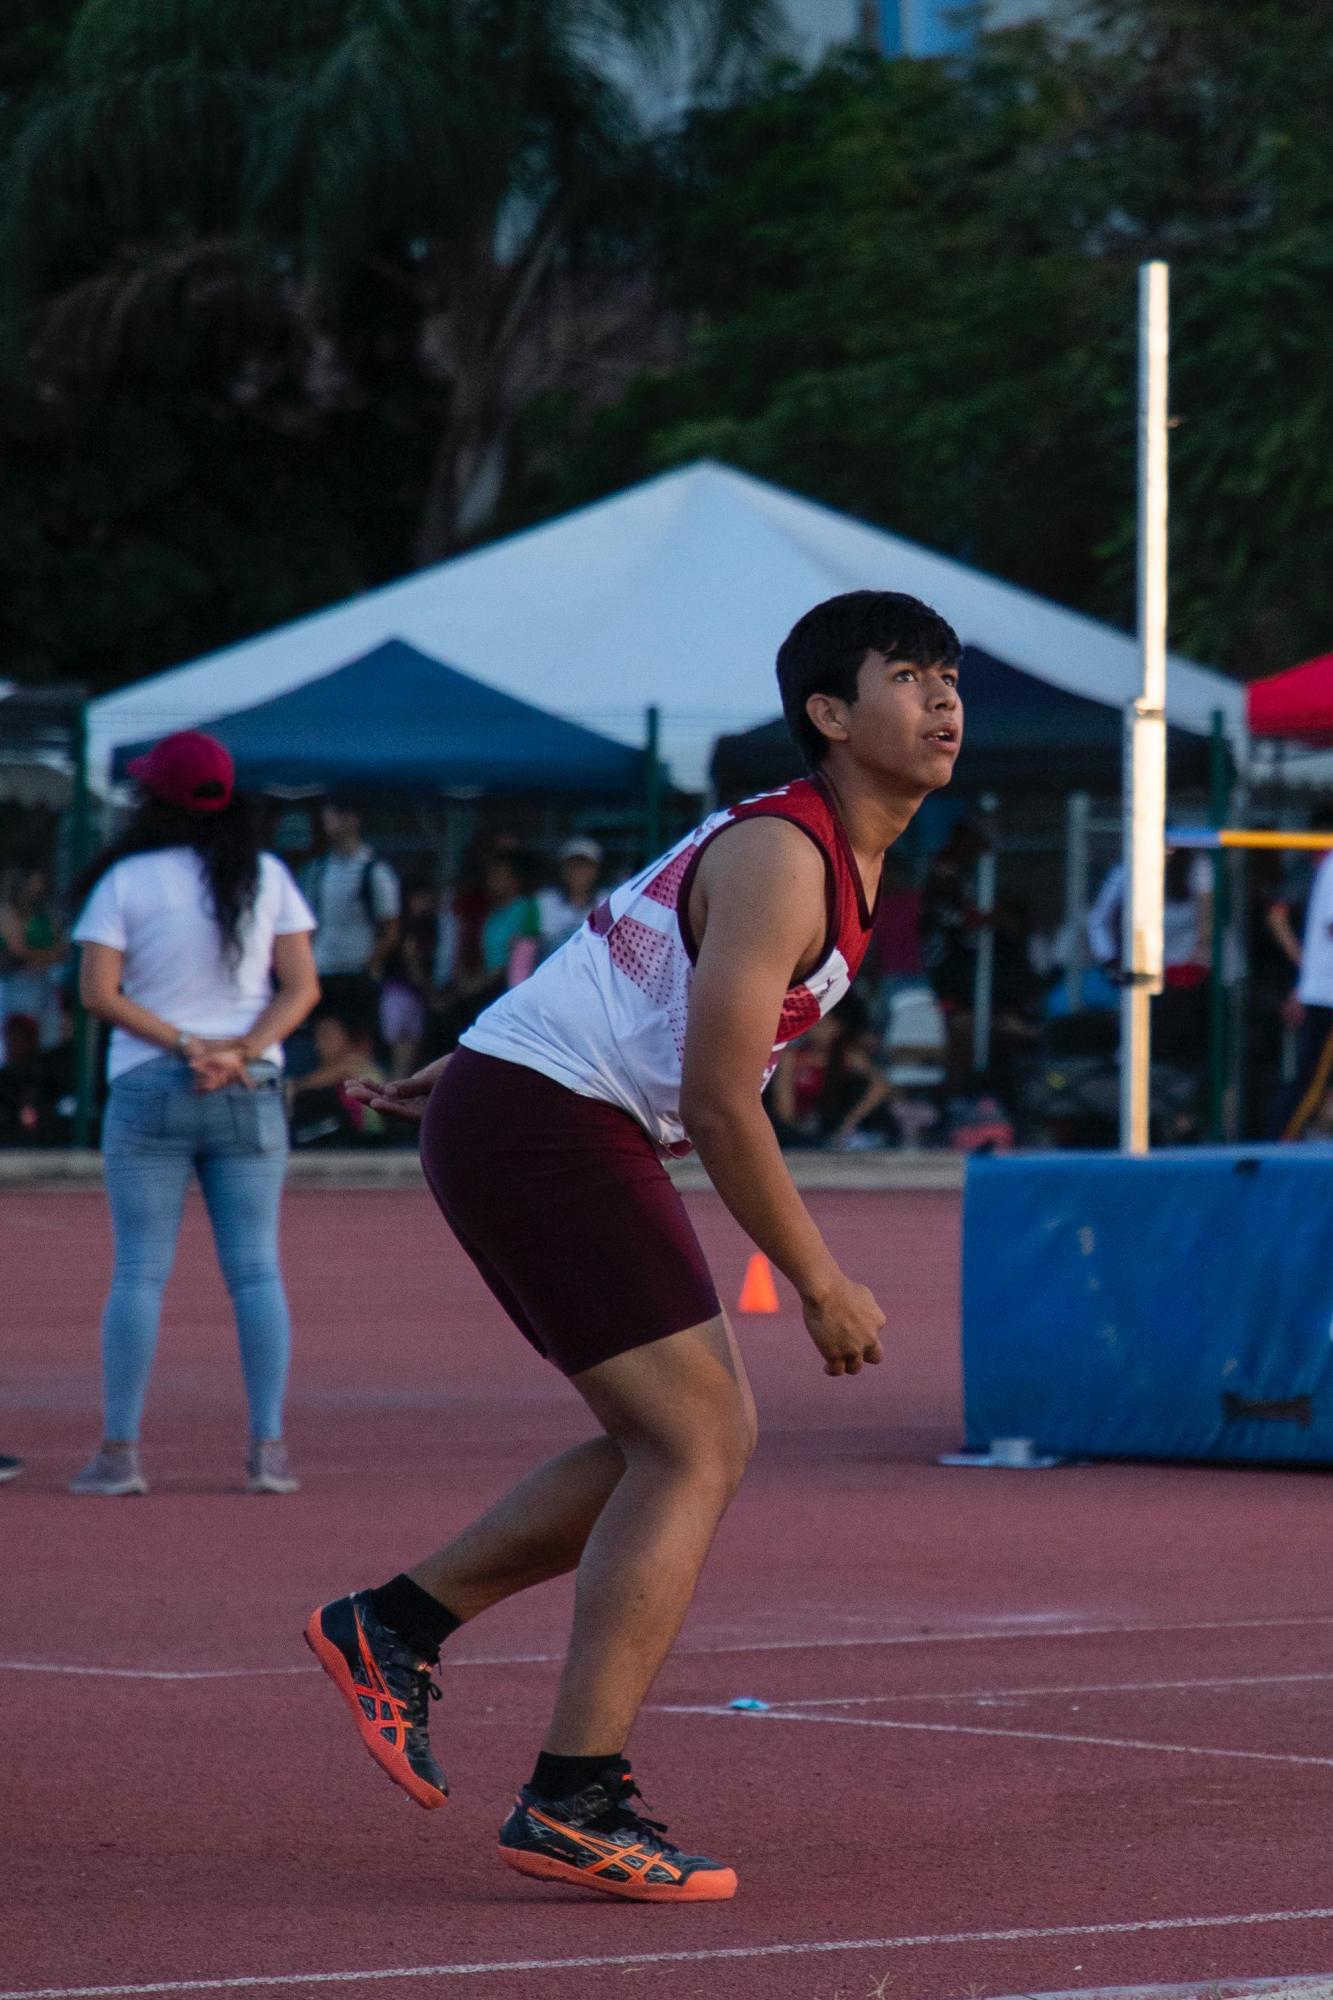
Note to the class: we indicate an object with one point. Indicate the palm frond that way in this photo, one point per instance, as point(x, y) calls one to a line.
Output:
point(157, 155)
point(127, 37)
point(151, 311)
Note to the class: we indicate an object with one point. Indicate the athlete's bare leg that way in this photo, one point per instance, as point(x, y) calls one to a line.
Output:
point(681, 1413)
point(538, 1530)
point(635, 1512)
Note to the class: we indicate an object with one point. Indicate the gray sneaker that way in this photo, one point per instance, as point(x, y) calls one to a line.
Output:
point(268, 1469)
point(113, 1471)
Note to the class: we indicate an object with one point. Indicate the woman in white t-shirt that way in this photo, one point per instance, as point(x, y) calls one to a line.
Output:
point(196, 948)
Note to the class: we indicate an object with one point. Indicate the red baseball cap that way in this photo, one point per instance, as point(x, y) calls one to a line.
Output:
point(188, 769)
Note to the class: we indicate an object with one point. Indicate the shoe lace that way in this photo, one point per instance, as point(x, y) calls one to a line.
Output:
point(623, 1815)
point(422, 1689)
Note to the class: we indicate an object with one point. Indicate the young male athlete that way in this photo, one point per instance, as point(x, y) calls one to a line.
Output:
point(655, 1026)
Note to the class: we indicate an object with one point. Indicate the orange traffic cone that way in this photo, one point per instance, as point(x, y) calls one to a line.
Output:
point(758, 1294)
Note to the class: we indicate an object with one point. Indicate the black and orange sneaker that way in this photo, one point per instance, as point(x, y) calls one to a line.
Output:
point(388, 1687)
point(597, 1841)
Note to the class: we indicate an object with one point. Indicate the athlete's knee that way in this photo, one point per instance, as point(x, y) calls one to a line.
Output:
point(711, 1451)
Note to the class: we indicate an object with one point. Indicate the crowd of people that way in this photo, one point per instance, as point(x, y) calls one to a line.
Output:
point(897, 1063)
point(406, 965)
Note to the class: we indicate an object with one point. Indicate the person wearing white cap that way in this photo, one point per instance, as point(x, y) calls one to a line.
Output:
point(562, 910)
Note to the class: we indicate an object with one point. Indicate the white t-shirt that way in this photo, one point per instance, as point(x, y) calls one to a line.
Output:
point(157, 909)
point(345, 940)
point(558, 918)
point(1315, 986)
point(1183, 942)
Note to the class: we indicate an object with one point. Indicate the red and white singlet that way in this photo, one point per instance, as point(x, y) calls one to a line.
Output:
point(605, 1015)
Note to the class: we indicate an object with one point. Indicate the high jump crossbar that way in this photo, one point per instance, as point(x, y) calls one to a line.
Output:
point(1240, 836)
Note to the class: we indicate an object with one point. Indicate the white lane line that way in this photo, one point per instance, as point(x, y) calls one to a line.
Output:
point(463, 1969)
point(1080, 1687)
point(1299, 1986)
point(982, 1729)
point(723, 1651)
point(151, 1673)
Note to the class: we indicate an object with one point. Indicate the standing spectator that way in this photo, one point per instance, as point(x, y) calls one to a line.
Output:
point(950, 923)
point(563, 910)
point(356, 901)
point(1310, 1011)
point(32, 950)
point(197, 951)
point(1187, 900)
point(1180, 1012)
point(408, 977)
point(511, 934)
point(895, 945)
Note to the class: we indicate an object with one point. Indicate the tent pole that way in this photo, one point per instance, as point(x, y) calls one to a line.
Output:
point(652, 785)
point(1078, 813)
point(1219, 801)
point(983, 981)
point(80, 843)
point(1145, 777)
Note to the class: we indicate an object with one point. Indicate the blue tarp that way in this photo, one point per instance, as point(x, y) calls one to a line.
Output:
point(398, 720)
point(1177, 1306)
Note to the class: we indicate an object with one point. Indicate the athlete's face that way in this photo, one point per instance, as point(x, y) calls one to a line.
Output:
point(906, 723)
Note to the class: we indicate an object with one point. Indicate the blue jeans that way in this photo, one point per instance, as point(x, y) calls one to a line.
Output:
point(157, 1128)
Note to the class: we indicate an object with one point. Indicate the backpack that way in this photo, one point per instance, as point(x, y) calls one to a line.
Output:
point(365, 888)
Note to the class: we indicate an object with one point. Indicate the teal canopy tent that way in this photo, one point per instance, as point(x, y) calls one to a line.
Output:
point(398, 720)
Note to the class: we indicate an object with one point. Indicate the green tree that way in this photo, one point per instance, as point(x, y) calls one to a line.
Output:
point(417, 203)
point(915, 284)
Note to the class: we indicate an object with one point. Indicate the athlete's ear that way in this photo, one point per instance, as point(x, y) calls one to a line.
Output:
point(829, 715)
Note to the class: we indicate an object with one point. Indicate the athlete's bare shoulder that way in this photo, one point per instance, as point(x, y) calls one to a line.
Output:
point(762, 876)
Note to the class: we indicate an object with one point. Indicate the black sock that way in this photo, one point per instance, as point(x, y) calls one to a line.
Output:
point(562, 1777)
point(414, 1615)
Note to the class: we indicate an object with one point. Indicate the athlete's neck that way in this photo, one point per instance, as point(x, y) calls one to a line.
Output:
point(872, 818)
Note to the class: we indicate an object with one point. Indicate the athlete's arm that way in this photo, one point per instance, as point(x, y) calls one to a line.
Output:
point(760, 892)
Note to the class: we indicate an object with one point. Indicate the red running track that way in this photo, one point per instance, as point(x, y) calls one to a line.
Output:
point(1028, 1732)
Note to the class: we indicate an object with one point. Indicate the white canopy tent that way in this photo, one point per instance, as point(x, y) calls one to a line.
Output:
point(676, 593)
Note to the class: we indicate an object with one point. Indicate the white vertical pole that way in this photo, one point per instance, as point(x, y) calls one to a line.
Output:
point(1145, 787)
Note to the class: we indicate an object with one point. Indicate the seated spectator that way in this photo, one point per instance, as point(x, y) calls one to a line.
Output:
point(322, 1114)
point(562, 910)
point(33, 952)
point(34, 1087)
point(916, 1045)
point(829, 1088)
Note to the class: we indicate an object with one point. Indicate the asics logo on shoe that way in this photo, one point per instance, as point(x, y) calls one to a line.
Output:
point(618, 1861)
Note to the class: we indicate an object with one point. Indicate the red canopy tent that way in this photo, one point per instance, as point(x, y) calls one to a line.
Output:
point(1297, 704)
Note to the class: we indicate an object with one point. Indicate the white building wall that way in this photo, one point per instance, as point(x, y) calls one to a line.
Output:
point(817, 25)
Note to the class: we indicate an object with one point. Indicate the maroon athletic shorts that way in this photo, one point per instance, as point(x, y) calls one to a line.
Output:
point(565, 1208)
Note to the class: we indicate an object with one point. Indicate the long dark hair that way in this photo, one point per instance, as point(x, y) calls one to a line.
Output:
point(227, 843)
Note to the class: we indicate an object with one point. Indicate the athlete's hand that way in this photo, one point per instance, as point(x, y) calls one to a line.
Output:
point(405, 1099)
point(844, 1324)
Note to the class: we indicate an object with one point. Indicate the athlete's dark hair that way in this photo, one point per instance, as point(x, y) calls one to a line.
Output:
point(823, 652)
point(227, 842)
